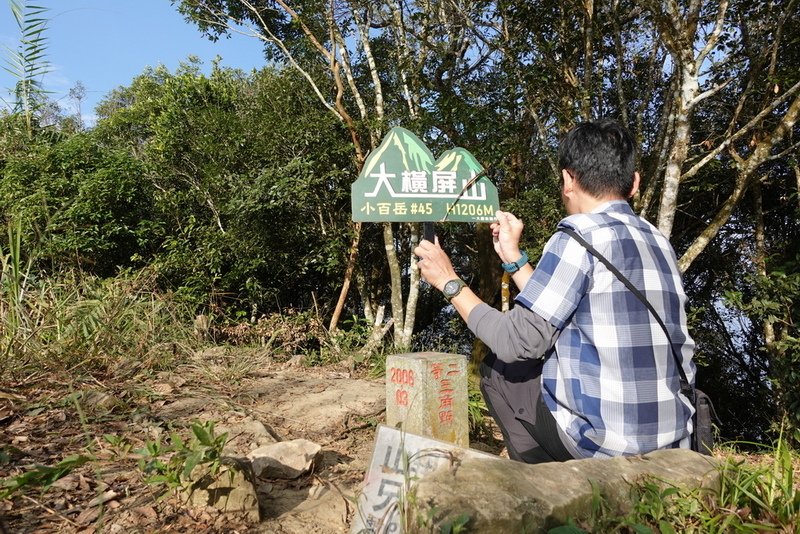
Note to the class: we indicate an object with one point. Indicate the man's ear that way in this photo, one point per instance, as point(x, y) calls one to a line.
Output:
point(636, 181)
point(568, 180)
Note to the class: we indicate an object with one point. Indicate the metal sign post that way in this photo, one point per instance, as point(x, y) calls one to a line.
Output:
point(428, 231)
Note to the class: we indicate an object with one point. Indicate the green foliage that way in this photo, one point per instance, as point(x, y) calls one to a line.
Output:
point(121, 446)
point(753, 498)
point(171, 464)
point(765, 495)
point(540, 209)
point(773, 299)
point(111, 320)
point(89, 325)
point(232, 214)
point(349, 341)
point(220, 222)
point(28, 64)
point(14, 323)
point(81, 204)
point(476, 410)
point(569, 528)
point(13, 279)
point(41, 476)
point(456, 525)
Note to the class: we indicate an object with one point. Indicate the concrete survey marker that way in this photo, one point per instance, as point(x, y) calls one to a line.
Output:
point(401, 182)
point(426, 394)
point(400, 459)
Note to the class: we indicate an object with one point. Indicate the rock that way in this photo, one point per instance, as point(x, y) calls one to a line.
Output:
point(183, 408)
point(285, 459)
point(231, 490)
point(507, 496)
point(295, 361)
point(398, 459)
point(163, 388)
point(256, 428)
point(98, 401)
point(244, 436)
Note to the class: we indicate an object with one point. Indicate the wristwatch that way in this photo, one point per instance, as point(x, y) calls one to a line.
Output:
point(453, 288)
point(515, 266)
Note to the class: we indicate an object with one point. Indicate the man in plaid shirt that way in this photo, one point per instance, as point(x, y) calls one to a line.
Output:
point(580, 368)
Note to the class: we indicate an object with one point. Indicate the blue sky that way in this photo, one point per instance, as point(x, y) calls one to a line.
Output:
point(104, 44)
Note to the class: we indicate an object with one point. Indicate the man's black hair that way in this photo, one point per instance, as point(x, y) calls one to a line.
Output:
point(601, 156)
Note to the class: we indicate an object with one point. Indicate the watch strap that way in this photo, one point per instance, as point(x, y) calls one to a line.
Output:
point(515, 266)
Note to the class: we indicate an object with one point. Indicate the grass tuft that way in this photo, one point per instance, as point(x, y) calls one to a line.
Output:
point(758, 493)
point(76, 325)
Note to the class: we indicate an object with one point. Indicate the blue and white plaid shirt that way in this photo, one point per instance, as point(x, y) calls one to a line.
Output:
point(611, 382)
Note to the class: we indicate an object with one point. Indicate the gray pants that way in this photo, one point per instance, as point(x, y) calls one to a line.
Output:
point(513, 394)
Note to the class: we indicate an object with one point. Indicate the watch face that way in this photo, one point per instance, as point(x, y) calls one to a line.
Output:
point(452, 288)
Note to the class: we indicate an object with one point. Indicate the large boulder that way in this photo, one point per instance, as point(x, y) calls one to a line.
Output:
point(505, 496)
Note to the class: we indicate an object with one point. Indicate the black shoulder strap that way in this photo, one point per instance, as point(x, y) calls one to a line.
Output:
point(686, 388)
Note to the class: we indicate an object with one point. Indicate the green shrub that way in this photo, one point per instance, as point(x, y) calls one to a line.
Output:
point(171, 464)
point(757, 494)
point(85, 324)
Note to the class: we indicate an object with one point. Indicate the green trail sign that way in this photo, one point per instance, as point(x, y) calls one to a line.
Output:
point(401, 182)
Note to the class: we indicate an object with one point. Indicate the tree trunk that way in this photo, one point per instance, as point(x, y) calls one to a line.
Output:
point(396, 281)
point(643, 200)
point(679, 31)
point(413, 291)
point(797, 178)
point(348, 276)
point(680, 149)
point(373, 309)
point(760, 258)
point(588, 59)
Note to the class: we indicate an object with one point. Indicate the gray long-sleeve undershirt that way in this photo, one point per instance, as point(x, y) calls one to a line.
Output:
point(517, 335)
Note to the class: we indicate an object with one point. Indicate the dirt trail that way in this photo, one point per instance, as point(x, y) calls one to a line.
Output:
point(326, 407)
point(253, 397)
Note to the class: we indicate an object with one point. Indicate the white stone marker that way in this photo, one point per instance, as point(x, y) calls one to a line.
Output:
point(426, 394)
point(398, 460)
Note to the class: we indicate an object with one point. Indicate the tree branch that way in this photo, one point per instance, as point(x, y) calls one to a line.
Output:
point(742, 131)
point(622, 101)
point(711, 42)
point(363, 33)
point(348, 72)
point(402, 52)
point(784, 153)
point(710, 92)
point(306, 30)
point(743, 179)
point(268, 36)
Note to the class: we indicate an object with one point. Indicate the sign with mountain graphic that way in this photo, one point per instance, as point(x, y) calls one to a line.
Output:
point(401, 182)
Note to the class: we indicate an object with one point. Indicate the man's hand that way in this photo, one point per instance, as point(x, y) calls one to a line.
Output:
point(433, 263)
point(506, 233)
